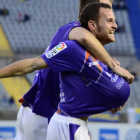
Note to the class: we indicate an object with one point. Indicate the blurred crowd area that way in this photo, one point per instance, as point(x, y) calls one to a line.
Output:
point(29, 25)
point(119, 5)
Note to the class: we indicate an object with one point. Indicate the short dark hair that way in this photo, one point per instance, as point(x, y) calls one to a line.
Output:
point(91, 12)
point(83, 3)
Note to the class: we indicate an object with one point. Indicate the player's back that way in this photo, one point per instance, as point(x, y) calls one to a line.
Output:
point(45, 90)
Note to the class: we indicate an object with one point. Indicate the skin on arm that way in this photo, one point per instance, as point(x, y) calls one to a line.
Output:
point(82, 36)
point(23, 67)
point(113, 111)
point(95, 48)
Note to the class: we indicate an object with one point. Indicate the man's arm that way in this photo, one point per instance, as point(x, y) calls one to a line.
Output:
point(95, 48)
point(23, 67)
point(91, 44)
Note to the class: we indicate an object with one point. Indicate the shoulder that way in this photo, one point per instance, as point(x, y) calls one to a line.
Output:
point(71, 24)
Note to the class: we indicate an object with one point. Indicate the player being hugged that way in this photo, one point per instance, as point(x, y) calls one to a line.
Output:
point(87, 86)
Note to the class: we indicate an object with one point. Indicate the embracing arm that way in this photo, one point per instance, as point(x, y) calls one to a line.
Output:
point(91, 44)
point(23, 67)
point(95, 48)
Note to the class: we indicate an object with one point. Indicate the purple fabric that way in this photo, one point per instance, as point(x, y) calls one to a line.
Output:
point(87, 86)
point(43, 97)
point(73, 128)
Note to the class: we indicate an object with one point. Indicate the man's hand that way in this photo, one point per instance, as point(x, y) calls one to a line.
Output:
point(113, 111)
point(122, 72)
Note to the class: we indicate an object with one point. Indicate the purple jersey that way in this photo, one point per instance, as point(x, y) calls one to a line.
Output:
point(43, 97)
point(87, 85)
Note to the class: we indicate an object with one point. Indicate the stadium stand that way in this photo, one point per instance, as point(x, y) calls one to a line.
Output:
point(124, 44)
point(36, 34)
point(16, 87)
point(5, 49)
point(7, 111)
point(134, 16)
point(2, 93)
point(133, 101)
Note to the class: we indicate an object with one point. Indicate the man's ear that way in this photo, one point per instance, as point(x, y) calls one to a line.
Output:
point(92, 25)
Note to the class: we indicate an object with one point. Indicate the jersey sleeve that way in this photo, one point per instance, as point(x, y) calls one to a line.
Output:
point(65, 30)
point(63, 33)
point(66, 56)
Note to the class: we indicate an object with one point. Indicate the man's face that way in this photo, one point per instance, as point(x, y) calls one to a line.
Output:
point(106, 26)
point(106, 1)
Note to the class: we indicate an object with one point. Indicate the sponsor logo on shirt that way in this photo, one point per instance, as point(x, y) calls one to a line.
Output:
point(62, 97)
point(113, 77)
point(108, 74)
point(93, 63)
point(56, 50)
point(120, 84)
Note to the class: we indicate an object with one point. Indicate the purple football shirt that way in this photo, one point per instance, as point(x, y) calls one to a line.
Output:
point(87, 85)
point(43, 97)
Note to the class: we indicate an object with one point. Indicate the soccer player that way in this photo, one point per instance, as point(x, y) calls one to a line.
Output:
point(87, 86)
point(40, 102)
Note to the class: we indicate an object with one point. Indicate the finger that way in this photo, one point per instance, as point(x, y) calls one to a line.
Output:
point(111, 111)
point(120, 108)
point(114, 59)
point(117, 62)
point(131, 79)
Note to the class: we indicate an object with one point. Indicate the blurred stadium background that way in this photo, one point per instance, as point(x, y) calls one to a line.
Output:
point(26, 29)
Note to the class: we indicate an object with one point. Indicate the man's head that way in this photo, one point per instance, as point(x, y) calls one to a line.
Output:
point(83, 3)
point(99, 19)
